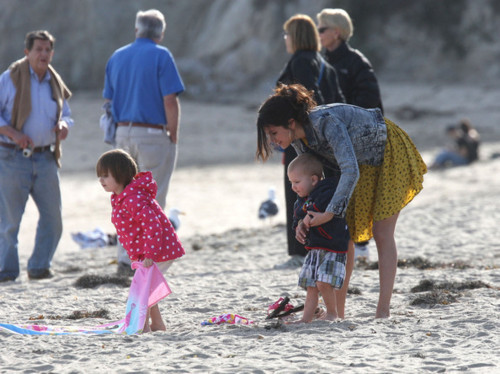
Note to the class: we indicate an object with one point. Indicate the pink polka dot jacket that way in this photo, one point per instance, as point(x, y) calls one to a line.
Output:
point(141, 224)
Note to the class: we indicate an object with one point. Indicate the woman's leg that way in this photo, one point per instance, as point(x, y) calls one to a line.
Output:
point(342, 293)
point(383, 233)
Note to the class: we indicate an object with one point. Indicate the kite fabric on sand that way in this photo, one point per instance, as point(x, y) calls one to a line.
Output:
point(148, 288)
point(229, 318)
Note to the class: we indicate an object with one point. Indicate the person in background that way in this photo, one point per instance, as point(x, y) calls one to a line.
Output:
point(142, 83)
point(465, 149)
point(381, 171)
point(307, 67)
point(34, 119)
point(355, 73)
point(324, 268)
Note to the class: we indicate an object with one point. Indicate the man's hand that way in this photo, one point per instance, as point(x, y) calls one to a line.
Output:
point(61, 130)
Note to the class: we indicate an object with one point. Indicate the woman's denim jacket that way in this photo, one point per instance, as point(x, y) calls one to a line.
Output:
point(344, 136)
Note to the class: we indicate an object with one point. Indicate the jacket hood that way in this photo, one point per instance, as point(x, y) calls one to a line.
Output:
point(144, 182)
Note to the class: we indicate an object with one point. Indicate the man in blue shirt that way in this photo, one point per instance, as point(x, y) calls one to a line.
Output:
point(34, 118)
point(142, 83)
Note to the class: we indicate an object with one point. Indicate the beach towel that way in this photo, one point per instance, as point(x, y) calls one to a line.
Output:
point(148, 288)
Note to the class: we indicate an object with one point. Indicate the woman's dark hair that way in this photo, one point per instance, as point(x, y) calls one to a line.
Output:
point(288, 102)
point(119, 164)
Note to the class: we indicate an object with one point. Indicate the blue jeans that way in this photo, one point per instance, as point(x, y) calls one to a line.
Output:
point(20, 177)
point(449, 157)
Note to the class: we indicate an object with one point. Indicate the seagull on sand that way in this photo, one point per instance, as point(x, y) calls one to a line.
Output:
point(269, 208)
point(173, 217)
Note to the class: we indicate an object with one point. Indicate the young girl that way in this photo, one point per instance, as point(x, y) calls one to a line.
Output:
point(381, 170)
point(141, 225)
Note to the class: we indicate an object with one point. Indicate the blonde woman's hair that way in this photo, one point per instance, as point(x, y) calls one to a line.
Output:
point(337, 18)
point(302, 31)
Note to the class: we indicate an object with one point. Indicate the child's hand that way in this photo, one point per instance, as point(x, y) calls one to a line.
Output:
point(317, 218)
point(301, 232)
point(148, 262)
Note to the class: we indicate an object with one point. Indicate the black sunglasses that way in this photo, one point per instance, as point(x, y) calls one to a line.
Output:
point(321, 30)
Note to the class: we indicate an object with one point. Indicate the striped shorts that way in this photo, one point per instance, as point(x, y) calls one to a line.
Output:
point(323, 266)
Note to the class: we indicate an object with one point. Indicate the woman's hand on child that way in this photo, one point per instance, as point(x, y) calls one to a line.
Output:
point(318, 218)
point(148, 262)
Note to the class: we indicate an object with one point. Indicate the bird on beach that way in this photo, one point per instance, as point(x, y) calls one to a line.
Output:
point(269, 207)
point(173, 217)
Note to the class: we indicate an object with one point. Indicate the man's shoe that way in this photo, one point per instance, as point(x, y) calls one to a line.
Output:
point(124, 270)
point(40, 274)
point(294, 262)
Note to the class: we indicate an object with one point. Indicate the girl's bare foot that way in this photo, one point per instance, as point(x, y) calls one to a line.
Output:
point(158, 327)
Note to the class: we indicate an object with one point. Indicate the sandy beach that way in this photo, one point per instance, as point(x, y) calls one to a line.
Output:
point(446, 239)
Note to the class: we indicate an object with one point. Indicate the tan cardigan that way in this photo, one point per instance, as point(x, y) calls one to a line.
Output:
point(20, 75)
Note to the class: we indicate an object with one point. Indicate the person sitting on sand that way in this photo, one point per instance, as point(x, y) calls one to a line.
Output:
point(141, 225)
point(324, 267)
point(465, 148)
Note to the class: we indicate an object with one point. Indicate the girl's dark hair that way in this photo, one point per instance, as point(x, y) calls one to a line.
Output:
point(119, 164)
point(288, 102)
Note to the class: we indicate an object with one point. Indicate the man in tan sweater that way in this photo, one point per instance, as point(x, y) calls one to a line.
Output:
point(34, 118)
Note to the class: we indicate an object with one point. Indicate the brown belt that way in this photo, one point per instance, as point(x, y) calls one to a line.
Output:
point(137, 124)
point(36, 149)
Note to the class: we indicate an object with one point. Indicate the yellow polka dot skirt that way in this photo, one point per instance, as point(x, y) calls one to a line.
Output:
point(384, 190)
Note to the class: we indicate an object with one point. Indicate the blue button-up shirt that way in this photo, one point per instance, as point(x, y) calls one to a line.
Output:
point(43, 117)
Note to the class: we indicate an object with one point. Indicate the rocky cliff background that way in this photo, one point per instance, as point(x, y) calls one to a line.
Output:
point(227, 46)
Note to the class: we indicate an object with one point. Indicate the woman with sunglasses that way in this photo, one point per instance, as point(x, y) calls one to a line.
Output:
point(355, 74)
point(307, 67)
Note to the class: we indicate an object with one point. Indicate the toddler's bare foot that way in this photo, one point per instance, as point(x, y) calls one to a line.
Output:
point(158, 327)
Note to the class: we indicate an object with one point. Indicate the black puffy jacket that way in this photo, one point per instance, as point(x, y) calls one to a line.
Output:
point(305, 67)
point(331, 236)
point(356, 77)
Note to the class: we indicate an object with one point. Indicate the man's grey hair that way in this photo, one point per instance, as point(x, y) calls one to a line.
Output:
point(150, 24)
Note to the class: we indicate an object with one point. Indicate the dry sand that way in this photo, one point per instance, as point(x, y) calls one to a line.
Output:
point(451, 224)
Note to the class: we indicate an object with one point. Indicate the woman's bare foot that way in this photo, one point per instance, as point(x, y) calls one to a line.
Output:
point(146, 328)
point(319, 313)
point(329, 317)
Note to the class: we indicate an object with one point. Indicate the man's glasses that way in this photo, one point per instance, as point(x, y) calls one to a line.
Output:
point(321, 30)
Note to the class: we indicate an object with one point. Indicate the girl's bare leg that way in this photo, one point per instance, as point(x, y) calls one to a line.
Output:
point(383, 233)
point(157, 323)
point(330, 299)
point(146, 327)
point(341, 294)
